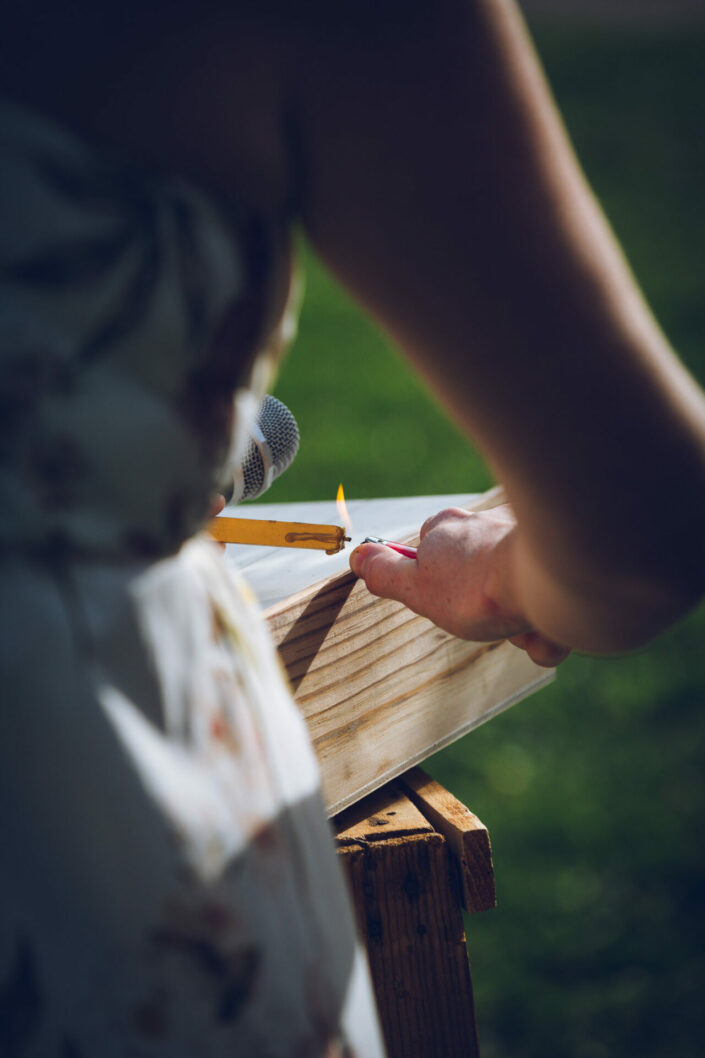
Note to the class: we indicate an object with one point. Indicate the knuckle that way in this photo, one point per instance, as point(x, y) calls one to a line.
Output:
point(447, 514)
point(427, 525)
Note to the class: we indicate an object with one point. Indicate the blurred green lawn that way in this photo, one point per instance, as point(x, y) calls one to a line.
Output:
point(593, 790)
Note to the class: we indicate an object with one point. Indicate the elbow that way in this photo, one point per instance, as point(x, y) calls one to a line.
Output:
point(621, 620)
point(633, 624)
point(658, 593)
point(610, 613)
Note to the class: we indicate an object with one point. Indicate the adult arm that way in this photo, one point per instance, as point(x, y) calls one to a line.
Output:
point(439, 184)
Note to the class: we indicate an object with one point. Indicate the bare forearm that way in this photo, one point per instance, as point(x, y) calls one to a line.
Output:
point(469, 230)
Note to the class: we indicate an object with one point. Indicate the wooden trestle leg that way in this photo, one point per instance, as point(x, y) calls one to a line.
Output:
point(415, 856)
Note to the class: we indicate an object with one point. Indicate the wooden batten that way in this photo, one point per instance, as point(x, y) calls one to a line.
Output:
point(466, 835)
point(382, 688)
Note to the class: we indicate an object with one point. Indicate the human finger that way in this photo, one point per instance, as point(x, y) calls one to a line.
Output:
point(217, 505)
point(502, 514)
point(385, 572)
point(446, 515)
point(541, 650)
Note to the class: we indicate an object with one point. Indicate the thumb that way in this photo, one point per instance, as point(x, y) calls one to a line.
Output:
point(385, 572)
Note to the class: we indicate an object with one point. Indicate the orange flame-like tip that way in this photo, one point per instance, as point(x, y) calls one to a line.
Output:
point(342, 509)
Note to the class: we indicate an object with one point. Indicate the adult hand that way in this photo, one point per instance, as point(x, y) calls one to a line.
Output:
point(217, 505)
point(461, 579)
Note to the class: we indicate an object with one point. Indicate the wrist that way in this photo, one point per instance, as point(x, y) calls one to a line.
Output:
point(499, 591)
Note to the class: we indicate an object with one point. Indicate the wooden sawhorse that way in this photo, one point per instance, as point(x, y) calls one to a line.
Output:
point(415, 856)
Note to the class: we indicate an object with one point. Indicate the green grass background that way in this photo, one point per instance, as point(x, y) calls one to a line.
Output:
point(593, 789)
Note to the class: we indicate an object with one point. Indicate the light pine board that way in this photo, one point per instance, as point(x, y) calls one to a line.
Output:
point(380, 688)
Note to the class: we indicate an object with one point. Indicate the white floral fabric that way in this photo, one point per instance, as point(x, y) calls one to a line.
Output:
point(168, 885)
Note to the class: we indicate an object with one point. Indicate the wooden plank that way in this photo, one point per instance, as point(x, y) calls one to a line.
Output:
point(386, 813)
point(407, 904)
point(381, 688)
point(467, 837)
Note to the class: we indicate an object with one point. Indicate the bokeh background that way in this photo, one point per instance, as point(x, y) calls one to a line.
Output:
point(594, 789)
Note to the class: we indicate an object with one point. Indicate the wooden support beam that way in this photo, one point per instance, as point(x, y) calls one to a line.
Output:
point(407, 902)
